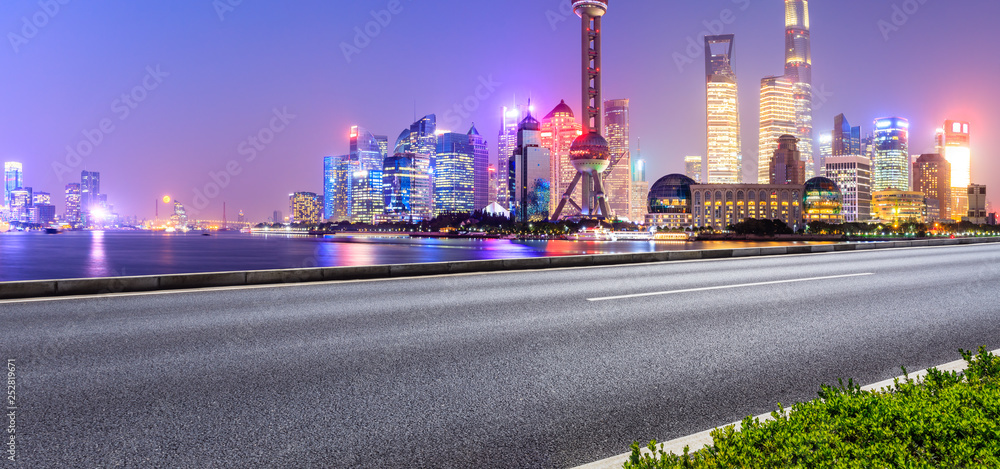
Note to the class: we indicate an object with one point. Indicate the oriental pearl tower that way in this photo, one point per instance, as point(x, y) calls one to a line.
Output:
point(589, 152)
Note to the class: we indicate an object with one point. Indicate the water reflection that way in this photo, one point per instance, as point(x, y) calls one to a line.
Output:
point(97, 266)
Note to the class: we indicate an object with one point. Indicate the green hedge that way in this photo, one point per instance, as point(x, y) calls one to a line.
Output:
point(948, 420)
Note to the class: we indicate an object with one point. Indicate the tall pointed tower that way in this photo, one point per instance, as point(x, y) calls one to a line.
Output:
point(798, 68)
point(590, 153)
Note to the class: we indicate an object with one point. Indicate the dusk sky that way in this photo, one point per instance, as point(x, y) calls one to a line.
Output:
point(225, 71)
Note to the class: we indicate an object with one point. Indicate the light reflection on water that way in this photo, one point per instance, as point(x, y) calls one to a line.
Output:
point(36, 256)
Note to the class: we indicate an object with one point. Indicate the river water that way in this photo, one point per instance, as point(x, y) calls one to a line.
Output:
point(87, 254)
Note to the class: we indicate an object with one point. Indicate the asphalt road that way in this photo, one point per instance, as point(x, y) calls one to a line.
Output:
point(512, 370)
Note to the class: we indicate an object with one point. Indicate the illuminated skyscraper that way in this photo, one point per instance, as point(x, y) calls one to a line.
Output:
point(932, 176)
point(693, 165)
point(639, 189)
point(559, 130)
point(798, 68)
point(367, 202)
point(90, 193)
point(421, 141)
point(337, 174)
point(13, 177)
point(777, 118)
point(454, 174)
point(73, 202)
point(618, 177)
point(531, 188)
point(846, 139)
point(825, 149)
point(493, 183)
point(853, 175)
point(366, 148)
point(724, 147)
point(397, 186)
point(481, 167)
point(506, 143)
point(958, 152)
point(891, 162)
point(306, 207)
point(786, 165)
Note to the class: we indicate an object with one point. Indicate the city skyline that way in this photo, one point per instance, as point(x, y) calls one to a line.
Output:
point(182, 134)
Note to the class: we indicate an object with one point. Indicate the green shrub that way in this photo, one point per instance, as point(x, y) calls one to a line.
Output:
point(948, 420)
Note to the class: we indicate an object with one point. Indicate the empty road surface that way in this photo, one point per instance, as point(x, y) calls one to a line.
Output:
point(536, 369)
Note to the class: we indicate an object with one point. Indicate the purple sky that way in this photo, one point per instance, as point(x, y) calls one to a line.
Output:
point(223, 78)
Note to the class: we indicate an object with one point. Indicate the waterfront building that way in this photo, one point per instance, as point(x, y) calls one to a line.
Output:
point(367, 199)
point(618, 176)
point(692, 167)
point(559, 130)
point(13, 178)
point(73, 202)
point(506, 143)
point(846, 139)
point(530, 184)
point(338, 172)
point(977, 204)
point(366, 149)
point(492, 170)
point(720, 205)
point(277, 217)
point(891, 161)
point(21, 202)
point(893, 206)
point(724, 145)
point(777, 118)
point(398, 175)
point(786, 165)
point(957, 150)
point(825, 150)
point(932, 177)
point(640, 190)
point(43, 213)
point(423, 145)
point(481, 165)
point(822, 201)
point(669, 202)
point(179, 219)
point(306, 207)
point(798, 68)
point(41, 198)
point(454, 174)
point(853, 175)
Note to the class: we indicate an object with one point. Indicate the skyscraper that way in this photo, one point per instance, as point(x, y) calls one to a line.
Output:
point(618, 176)
point(306, 207)
point(337, 186)
point(506, 143)
point(891, 162)
point(777, 118)
point(639, 190)
point(846, 139)
point(423, 145)
point(853, 175)
point(366, 148)
point(798, 68)
point(958, 152)
point(367, 201)
point(724, 146)
point(559, 130)
point(693, 165)
point(13, 178)
point(786, 165)
point(73, 202)
point(398, 175)
point(531, 186)
point(90, 192)
point(481, 168)
point(454, 174)
point(932, 176)
point(493, 183)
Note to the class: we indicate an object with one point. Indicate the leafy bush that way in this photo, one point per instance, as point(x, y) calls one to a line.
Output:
point(948, 420)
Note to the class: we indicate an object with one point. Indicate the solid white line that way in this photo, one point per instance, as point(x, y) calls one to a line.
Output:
point(699, 440)
point(723, 287)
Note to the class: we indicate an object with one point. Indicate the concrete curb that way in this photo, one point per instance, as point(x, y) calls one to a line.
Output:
point(699, 440)
point(91, 286)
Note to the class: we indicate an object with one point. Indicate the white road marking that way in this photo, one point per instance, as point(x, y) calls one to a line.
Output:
point(723, 287)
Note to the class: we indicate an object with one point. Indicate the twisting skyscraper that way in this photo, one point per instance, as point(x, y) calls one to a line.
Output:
point(798, 68)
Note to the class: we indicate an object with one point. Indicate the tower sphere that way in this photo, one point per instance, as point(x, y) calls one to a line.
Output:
point(590, 7)
point(590, 153)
